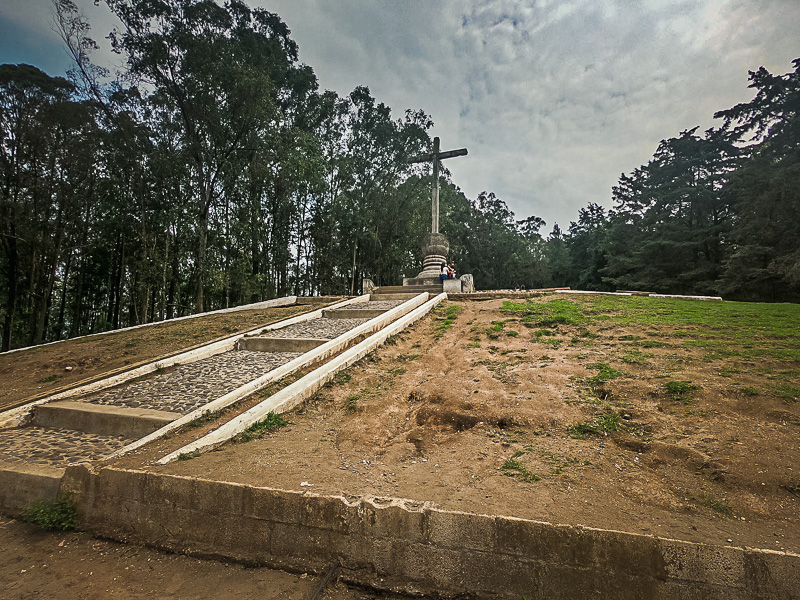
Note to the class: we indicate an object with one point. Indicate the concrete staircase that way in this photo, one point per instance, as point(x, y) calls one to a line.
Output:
point(404, 291)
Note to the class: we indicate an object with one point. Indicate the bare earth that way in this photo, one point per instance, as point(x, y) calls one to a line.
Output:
point(75, 566)
point(435, 419)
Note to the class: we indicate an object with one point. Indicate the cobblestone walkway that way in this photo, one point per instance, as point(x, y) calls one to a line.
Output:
point(55, 447)
point(323, 329)
point(376, 305)
point(190, 386)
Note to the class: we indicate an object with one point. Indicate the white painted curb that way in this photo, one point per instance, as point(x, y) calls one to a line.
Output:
point(294, 394)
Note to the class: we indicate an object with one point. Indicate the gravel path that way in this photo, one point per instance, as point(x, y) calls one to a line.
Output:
point(190, 386)
point(55, 447)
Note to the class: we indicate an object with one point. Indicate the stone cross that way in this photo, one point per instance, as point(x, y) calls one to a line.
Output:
point(436, 156)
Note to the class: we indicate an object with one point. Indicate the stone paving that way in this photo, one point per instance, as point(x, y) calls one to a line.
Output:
point(55, 447)
point(323, 329)
point(375, 305)
point(179, 389)
point(190, 386)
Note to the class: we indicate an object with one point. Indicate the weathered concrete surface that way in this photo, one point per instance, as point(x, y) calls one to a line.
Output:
point(352, 313)
point(21, 485)
point(451, 286)
point(413, 547)
point(396, 296)
point(102, 419)
point(276, 344)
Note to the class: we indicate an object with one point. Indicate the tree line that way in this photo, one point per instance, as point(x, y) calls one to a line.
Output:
point(211, 171)
point(716, 212)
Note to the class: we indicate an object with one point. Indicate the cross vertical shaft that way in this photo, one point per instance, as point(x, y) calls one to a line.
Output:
point(435, 189)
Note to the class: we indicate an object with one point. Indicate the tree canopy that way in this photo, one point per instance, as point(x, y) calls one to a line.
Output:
point(211, 171)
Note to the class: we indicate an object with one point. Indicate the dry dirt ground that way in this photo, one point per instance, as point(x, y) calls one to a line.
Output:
point(670, 418)
point(74, 566)
point(42, 370)
point(493, 416)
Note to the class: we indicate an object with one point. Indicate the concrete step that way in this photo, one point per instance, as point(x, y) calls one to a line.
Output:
point(408, 289)
point(352, 313)
point(102, 419)
point(388, 296)
point(274, 344)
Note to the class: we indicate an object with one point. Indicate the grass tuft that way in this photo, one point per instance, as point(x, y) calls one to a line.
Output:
point(59, 515)
point(269, 424)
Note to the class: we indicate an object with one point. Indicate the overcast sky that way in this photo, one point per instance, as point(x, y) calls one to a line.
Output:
point(553, 98)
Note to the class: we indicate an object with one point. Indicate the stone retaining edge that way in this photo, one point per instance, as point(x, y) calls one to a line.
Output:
point(18, 416)
point(294, 394)
point(413, 547)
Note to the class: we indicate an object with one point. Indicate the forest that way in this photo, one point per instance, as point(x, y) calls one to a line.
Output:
point(211, 171)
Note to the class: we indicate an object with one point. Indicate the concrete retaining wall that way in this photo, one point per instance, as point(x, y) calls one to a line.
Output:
point(410, 546)
point(21, 485)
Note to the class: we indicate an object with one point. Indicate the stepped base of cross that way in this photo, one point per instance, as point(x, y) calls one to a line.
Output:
point(435, 248)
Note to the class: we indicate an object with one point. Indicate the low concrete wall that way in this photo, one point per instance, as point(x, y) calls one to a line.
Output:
point(266, 344)
point(409, 546)
point(21, 485)
point(352, 313)
point(102, 419)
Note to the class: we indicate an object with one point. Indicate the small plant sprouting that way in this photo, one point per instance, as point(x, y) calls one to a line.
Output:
point(59, 515)
point(341, 378)
point(272, 422)
point(679, 390)
point(351, 403)
point(48, 379)
point(391, 340)
point(750, 391)
point(188, 455)
point(579, 431)
point(160, 369)
point(474, 344)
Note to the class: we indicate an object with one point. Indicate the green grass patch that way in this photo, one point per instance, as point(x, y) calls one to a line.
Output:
point(634, 357)
point(787, 392)
point(188, 455)
point(474, 344)
point(512, 333)
point(48, 379)
point(391, 340)
point(445, 317)
point(549, 314)
point(269, 424)
point(652, 344)
point(515, 468)
point(579, 431)
point(750, 391)
point(606, 373)
point(716, 504)
point(59, 515)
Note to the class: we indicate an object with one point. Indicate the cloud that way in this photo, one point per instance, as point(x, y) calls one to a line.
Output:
point(553, 98)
